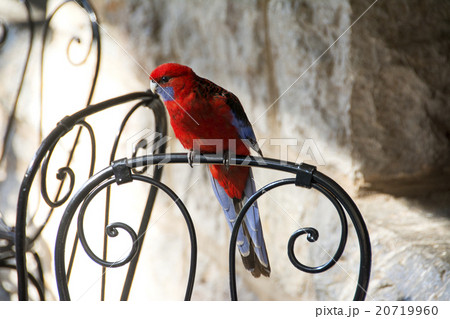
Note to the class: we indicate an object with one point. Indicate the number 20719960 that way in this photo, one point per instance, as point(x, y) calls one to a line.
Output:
point(406, 310)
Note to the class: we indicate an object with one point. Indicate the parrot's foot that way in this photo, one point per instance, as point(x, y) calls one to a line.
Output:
point(191, 155)
point(226, 159)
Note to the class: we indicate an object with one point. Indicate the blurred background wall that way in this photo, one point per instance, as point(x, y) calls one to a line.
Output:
point(358, 88)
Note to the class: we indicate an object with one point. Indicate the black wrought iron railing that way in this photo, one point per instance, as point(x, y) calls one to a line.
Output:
point(305, 175)
point(75, 200)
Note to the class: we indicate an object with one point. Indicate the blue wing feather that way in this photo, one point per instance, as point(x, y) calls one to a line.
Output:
point(240, 120)
point(246, 134)
point(245, 130)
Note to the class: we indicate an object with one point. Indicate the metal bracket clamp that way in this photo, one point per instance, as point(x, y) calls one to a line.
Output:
point(121, 171)
point(305, 175)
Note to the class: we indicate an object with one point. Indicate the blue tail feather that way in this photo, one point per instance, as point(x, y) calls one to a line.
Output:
point(230, 214)
point(253, 222)
point(250, 236)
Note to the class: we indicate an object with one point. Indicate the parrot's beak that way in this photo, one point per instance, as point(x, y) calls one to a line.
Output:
point(153, 86)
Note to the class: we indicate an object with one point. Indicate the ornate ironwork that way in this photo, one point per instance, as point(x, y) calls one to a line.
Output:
point(130, 170)
point(41, 158)
point(332, 191)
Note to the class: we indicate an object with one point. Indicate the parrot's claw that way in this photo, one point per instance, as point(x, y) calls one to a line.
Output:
point(191, 155)
point(226, 159)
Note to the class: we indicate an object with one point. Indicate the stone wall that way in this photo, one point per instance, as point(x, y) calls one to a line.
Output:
point(372, 98)
point(399, 106)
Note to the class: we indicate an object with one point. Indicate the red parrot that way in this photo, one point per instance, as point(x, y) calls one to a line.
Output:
point(199, 111)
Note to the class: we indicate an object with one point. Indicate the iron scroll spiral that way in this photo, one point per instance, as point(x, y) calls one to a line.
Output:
point(111, 231)
point(91, 188)
point(312, 233)
point(65, 171)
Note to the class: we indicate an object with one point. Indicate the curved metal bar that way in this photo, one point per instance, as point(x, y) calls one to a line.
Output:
point(78, 40)
point(111, 230)
point(238, 222)
point(102, 180)
point(12, 115)
point(40, 271)
point(63, 127)
point(313, 235)
point(61, 175)
point(64, 171)
point(122, 127)
point(360, 228)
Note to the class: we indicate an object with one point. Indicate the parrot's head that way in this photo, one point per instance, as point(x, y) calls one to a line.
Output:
point(168, 78)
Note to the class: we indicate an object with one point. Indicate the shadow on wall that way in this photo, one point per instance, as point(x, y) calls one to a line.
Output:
point(399, 105)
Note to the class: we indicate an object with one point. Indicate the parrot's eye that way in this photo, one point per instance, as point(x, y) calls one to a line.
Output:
point(164, 79)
